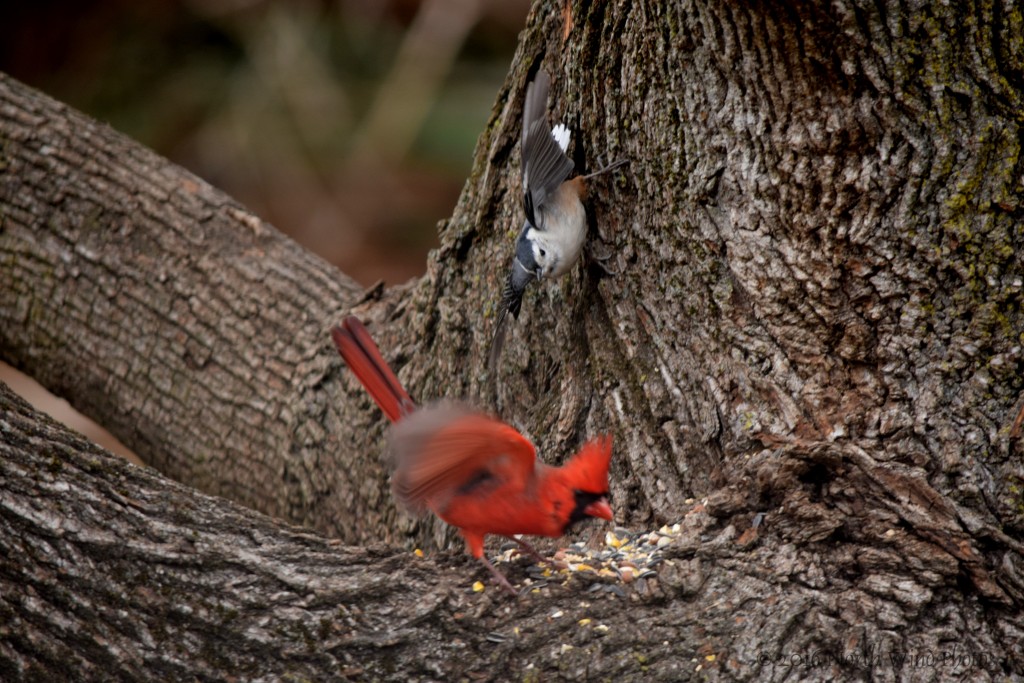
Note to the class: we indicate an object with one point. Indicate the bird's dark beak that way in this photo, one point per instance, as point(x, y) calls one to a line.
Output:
point(600, 509)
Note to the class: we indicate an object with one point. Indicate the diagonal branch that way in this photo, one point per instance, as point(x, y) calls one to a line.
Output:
point(192, 330)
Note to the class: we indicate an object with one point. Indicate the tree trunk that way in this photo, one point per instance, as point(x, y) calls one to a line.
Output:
point(802, 303)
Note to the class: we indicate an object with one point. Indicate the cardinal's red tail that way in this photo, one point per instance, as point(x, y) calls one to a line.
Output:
point(360, 353)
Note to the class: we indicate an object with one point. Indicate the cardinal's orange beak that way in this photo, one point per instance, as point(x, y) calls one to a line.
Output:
point(600, 509)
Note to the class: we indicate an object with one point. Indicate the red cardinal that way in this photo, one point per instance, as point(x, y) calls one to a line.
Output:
point(472, 471)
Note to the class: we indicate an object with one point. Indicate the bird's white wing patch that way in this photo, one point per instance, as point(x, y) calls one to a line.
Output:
point(561, 135)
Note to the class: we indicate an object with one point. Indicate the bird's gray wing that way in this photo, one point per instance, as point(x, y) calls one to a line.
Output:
point(544, 164)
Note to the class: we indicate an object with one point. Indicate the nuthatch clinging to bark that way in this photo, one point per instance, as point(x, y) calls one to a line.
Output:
point(555, 228)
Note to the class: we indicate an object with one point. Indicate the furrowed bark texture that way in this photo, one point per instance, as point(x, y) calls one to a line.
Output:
point(108, 571)
point(802, 302)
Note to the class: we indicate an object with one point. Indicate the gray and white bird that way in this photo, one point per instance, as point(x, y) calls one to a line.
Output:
point(555, 228)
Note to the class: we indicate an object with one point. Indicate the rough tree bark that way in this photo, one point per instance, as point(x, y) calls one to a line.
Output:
point(813, 321)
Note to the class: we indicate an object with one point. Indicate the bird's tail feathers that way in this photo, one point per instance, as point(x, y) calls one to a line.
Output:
point(364, 359)
point(561, 134)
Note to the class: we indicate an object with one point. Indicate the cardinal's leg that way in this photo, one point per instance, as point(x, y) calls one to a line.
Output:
point(498, 576)
point(475, 545)
point(530, 550)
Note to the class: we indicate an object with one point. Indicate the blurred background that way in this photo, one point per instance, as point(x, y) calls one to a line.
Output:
point(347, 124)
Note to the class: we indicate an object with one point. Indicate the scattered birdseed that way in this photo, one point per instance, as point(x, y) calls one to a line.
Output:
point(583, 622)
point(627, 558)
point(478, 587)
point(417, 552)
point(615, 590)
